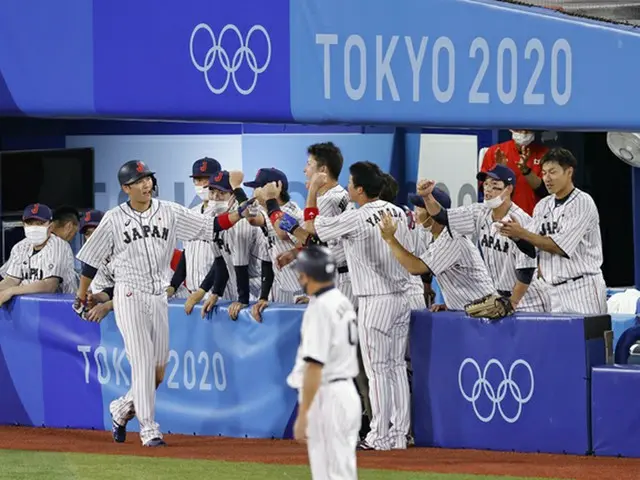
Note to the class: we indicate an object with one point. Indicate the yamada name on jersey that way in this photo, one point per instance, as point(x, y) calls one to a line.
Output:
point(376, 218)
point(147, 231)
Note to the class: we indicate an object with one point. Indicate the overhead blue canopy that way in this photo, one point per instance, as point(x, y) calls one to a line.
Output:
point(437, 63)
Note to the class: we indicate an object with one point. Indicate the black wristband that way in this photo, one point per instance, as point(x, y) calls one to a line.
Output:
point(240, 195)
point(88, 271)
point(109, 292)
point(272, 206)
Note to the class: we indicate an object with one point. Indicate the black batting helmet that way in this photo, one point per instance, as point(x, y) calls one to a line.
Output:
point(317, 262)
point(132, 171)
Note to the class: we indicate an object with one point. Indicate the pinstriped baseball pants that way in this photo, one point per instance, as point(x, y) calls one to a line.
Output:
point(143, 321)
point(383, 328)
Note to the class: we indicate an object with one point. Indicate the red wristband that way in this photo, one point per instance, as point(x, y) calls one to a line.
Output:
point(275, 216)
point(224, 221)
point(310, 213)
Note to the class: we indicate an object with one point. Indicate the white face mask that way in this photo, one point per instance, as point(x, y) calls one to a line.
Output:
point(218, 206)
point(36, 234)
point(523, 139)
point(203, 193)
point(494, 202)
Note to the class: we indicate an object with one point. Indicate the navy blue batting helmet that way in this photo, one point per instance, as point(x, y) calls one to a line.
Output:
point(317, 262)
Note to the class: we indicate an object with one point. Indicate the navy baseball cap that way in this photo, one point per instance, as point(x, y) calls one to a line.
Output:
point(499, 172)
point(220, 181)
point(268, 175)
point(441, 197)
point(91, 219)
point(37, 211)
point(205, 167)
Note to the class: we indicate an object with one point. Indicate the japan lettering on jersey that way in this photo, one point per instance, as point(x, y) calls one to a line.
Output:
point(501, 255)
point(235, 246)
point(140, 244)
point(198, 257)
point(574, 225)
point(331, 203)
point(285, 279)
point(55, 259)
point(372, 267)
point(458, 266)
point(329, 335)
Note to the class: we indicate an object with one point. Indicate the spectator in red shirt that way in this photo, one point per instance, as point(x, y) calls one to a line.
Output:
point(522, 156)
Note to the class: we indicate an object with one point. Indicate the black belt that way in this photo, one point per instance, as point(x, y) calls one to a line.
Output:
point(504, 293)
point(567, 281)
point(343, 269)
point(341, 379)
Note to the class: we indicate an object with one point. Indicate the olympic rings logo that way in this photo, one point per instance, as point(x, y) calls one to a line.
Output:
point(496, 395)
point(230, 65)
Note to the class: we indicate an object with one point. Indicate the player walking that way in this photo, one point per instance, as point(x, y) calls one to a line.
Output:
point(379, 282)
point(565, 230)
point(39, 263)
point(329, 409)
point(139, 237)
point(512, 270)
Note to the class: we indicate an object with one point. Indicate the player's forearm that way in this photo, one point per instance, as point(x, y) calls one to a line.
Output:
point(523, 279)
point(101, 297)
point(433, 207)
point(242, 282)
point(542, 243)
point(310, 385)
point(180, 274)
point(83, 288)
point(267, 278)
point(410, 262)
point(48, 285)
point(9, 282)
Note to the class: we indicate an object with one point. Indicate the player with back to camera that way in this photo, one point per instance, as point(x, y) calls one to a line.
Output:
point(511, 269)
point(40, 262)
point(379, 282)
point(139, 237)
point(329, 410)
point(197, 256)
point(565, 230)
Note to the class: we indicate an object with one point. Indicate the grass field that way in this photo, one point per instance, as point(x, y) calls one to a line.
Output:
point(19, 464)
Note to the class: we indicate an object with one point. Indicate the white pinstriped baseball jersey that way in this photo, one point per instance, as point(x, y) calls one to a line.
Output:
point(103, 279)
point(331, 203)
point(4, 268)
point(421, 238)
point(198, 256)
point(55, 259)
point(141, 244)
point(501, 255)
point(574, 225)
point(458, 266)
point(285, 279)
point(329, 335)
point(373, 269)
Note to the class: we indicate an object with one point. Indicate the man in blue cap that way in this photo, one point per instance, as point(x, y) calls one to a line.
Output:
point(511, 270)
point(452, 258)
point(41, 262)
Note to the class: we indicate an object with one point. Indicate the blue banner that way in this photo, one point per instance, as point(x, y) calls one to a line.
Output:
point(518, 384)
point(223, 377)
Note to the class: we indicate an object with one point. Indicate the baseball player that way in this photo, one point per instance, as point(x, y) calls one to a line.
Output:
point(565, 230)
point(236, 254)
point(379, 281)
point(452, 258)
point(286, 288)
point(39, 263)
point(197, 256)
point(139, 237)
point(511, 270)
point(329, 409)
point(65, 223)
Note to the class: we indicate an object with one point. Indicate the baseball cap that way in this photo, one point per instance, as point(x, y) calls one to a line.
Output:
point(37, 211)
point(205, 167)
point(499, 172)
point(441, 197)
point(220, 181)
point(268, 175)
point(90, 219)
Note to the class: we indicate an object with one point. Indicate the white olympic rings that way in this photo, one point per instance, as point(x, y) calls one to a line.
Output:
point(497, 395)
point(230, 66)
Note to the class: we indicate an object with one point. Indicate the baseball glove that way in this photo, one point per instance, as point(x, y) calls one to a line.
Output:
point(492, 306)
point(81, 308)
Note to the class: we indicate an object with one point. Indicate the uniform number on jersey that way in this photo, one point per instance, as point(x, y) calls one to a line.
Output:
point(221, 243)
point(352, 326)
point(196, 374)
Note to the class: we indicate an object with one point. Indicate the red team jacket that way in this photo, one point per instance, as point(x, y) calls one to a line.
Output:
point(523, 196)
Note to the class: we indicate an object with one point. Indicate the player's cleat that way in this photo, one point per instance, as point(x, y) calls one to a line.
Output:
point(363, 445)
point(119, 432)
point(156, 442)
